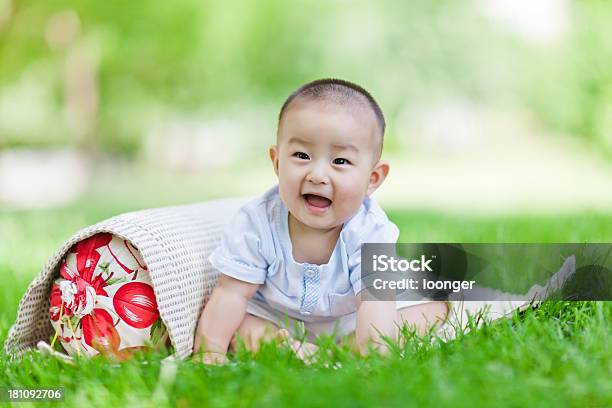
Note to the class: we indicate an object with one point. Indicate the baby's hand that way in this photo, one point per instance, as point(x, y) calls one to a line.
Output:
point(304, 351)
point(210, 358)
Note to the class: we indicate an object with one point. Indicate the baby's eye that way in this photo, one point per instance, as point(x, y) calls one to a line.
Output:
point(341, 161)
point(301, 155)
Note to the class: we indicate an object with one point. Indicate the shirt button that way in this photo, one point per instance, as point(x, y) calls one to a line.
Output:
point(309, 273)
point(305, 313)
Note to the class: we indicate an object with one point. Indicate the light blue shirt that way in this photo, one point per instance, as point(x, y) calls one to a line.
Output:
point(256, 248)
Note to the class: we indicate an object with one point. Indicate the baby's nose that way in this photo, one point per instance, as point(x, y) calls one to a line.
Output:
point(317, 177)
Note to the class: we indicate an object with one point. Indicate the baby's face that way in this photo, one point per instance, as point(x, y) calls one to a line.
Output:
point(327, 161)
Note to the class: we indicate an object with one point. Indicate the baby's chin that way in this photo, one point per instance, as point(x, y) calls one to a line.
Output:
point(323, 223)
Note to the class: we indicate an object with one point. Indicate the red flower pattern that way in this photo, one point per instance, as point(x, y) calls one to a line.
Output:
point(135, 303)
point(81, 294)
point(99, 331)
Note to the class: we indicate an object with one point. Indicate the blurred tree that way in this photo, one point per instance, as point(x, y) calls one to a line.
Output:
point(133, 64)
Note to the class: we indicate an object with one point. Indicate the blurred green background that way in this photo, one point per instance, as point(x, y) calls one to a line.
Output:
point(496, 106)
point(139, 65)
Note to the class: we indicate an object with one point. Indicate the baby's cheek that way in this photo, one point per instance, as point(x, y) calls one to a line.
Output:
point(351, 196)
point(288, 182)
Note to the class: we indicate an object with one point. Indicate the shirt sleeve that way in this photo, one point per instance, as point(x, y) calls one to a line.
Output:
point(383, 231)
point(241, 253)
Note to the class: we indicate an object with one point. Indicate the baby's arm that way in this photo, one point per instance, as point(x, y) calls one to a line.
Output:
point(375, 319)
point(221, 317)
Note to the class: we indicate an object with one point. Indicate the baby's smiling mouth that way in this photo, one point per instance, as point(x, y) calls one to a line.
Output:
point(317, 201)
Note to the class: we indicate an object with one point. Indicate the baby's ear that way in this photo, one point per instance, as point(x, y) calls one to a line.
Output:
point(274, 157)
point(378, 175)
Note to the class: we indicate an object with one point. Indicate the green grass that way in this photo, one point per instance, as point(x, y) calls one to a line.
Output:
point(557, 355)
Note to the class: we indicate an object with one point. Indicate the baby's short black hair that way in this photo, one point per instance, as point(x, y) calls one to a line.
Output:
point(337, 91)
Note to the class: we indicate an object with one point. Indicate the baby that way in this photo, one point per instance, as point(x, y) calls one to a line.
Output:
point(292, 256)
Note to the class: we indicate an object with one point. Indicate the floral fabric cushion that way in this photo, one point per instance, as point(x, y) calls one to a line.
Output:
point(103, 301)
